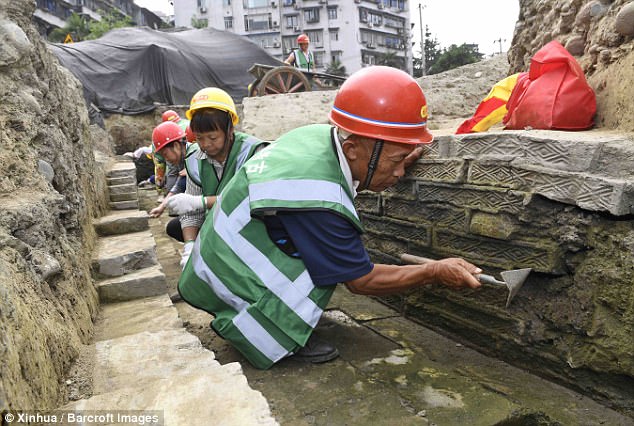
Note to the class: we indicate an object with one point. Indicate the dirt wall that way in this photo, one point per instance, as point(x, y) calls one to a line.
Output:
point(51, 186)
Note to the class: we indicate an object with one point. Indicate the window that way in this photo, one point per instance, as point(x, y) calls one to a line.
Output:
point(257, 22)
point(335, 57)
point(251, 4)
point(291, 21)
point(226, 3)
point(319, 58)
point(288, 44)
point(334, 35)
point(332, 13)
point(367, 59)
point(289, 2)
point(311, 15)
point(228, 22)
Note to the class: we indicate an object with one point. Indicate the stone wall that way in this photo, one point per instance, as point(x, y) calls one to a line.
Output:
point(600, 34)
point(559, 203)
point(51, 186)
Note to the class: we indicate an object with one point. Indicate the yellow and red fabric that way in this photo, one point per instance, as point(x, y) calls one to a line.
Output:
point(492, 109)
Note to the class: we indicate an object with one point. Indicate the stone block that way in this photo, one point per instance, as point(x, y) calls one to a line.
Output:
point(122, 169)
point(122, 254)
point(487, 199)
point(498, 226)
point(397, 229)
point(386, 245)
point(439, 170)
point(124, 205)
point(125, 180)
point(436, 214)
point(122, 189)
point(494, 173)
point(616, 160)
point(545, 257)
point(497, 145)
point(151, 314)
point(122, 222)
point(405, 188)
point(145, 282)
point(130, 196)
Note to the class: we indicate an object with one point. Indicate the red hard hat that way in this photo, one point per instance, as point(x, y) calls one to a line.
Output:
point(170, 115)
point(190, 134)
point(302, 38)
point(166, 133)
point(382, 103)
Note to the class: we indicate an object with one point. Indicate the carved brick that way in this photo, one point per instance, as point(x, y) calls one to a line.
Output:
point(498, 226)
point(385, 245)
point(543, 258)
point(488, 199)
point(439, 170)
point(369, 202)
point(397, 229)
point(418, 212)
point(405, 188)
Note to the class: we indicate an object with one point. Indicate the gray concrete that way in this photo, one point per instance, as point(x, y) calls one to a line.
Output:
point(121, 222)
point(124, 180)
point(122, 169)
point(145, 282)
point(121, 254)
point(122, 189)
point(124, 196)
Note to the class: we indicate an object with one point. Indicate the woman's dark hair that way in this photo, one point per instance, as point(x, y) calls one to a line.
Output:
point(210, 119)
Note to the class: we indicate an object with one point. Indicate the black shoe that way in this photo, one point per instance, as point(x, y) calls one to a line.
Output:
point(317, 351)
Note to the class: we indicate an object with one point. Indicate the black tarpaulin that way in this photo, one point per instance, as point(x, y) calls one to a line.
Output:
point(129, 69)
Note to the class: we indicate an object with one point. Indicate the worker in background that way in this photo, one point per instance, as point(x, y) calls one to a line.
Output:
point(302, 58)
point(165, 174)
point(284, 231)
point(212, 161)
point(168, 140)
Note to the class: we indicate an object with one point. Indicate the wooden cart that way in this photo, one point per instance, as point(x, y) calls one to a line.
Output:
point(271, 80)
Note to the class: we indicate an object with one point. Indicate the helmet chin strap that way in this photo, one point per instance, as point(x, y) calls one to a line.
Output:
point(374, 162)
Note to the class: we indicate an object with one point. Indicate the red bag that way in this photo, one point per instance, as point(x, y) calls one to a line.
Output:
point(553, 95)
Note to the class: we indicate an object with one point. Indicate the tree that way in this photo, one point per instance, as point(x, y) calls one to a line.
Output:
point(109, 21)
point(199, 23)
point(76, 25)
point(432, 52)
point(390, 59)
point(456, 56)
point(335, 68)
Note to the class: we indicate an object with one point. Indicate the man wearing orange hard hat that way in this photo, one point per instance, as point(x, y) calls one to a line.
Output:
point(302, 58)
point(285, 230)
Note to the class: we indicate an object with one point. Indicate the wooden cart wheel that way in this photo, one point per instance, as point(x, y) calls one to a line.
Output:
point(283, 80)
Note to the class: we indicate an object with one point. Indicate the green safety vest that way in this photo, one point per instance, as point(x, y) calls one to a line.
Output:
point(301, 62)
point(202, 172)
point(263, 300)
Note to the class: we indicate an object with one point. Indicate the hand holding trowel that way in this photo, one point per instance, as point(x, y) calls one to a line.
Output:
point(513, 280)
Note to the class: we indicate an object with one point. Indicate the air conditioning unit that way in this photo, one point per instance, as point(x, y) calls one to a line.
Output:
point(322, 1)
point(380, 5)
point(203, 9)
point(370, 24)
point(296, 29)
point(370, 45)
point(275, 25)
point(273, 4)
point(400, 30)
point(357, 1)
point(276, 44)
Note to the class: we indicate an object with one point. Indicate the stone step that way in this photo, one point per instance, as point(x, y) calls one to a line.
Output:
point(122, 169)
point(122, 189)
point(125, 205)
point(121, 254)
point(139, 359)
point(136, 285)
point(220, 394)
point(124, 180)
point(121, 222)
point(135, 316)
point(129, 196)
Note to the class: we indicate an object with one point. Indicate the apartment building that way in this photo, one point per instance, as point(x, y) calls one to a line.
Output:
point(51, 14)
point(356, 33)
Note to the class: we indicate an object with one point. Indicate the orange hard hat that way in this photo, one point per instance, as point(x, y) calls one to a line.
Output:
point(190, 135)
point(302, 38)
point(382, 103)
point(170, 115)
point(166, 133)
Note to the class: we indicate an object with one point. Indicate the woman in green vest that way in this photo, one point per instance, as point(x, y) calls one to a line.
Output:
point(284, 231)
point(212, 161)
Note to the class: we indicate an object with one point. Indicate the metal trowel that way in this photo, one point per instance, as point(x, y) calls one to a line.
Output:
point(513, 280)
